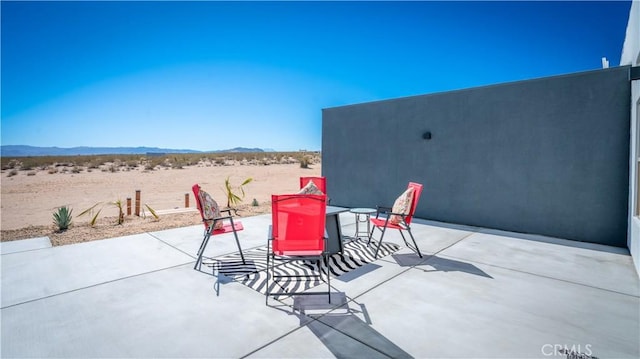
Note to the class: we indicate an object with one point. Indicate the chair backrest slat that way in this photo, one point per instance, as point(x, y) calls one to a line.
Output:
point(417, 191)
point(196, 193)
point(320, 182)
point(298, 222)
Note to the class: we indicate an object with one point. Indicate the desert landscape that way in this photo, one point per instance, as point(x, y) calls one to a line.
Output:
point(30, 197)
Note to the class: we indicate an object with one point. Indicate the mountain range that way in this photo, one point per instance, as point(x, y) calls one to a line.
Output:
point(24, 151)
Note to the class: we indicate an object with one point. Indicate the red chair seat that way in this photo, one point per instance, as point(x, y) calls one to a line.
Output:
point(227, 228)
point(379, 222)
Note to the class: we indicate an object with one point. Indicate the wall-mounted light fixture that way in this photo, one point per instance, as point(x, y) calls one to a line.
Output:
point(426, 135)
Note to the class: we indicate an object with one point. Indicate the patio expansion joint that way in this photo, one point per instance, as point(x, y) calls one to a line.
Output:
point(94, 285)
point(170, 245)
point(547, 277)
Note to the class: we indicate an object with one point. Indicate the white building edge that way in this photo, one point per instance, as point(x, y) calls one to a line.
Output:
point(631, 56)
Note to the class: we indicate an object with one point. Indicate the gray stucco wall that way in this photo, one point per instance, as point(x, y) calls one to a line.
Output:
point(546, 156)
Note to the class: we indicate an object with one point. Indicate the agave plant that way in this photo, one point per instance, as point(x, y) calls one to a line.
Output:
point(62, 218)
point(234, 198)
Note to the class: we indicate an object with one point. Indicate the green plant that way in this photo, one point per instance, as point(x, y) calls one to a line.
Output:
point(62, 218)
point(234, 198)
point(255, 203)
point(152, 211)
point(118, 204)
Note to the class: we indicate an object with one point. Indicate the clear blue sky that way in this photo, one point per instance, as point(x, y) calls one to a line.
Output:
point(216, 75)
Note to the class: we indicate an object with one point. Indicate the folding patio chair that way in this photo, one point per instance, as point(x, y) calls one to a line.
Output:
point(214, 222)
point(297, 233)
point(398, 217)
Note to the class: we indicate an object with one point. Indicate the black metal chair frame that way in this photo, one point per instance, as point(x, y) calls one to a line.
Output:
point(403, 226)
point(208, 233)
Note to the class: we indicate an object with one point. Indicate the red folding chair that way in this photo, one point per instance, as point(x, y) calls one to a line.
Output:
point(297, 233)
point(210, 219)
point(398, 217)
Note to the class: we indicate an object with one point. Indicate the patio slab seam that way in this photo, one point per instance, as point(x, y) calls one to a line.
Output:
point(542, 276)
point(170, 245)
point(95, 285)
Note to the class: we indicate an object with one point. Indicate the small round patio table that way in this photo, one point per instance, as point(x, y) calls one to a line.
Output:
point(362, 215)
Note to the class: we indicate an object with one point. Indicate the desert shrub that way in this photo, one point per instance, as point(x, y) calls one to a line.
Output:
point(304, 162)
point(31, 173)
point(255, 203)
point(76, 170)
point(52, 170)
point(8, 164)
point(12, 173)
point(62, 218)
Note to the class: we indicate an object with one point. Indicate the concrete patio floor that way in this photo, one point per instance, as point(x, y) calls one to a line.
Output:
point(476, 294)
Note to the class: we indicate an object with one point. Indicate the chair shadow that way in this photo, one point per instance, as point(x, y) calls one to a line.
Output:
point(438, 264)
point(344, 327)
point(229, 270)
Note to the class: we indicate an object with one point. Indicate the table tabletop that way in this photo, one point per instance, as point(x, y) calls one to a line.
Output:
point(362, 210)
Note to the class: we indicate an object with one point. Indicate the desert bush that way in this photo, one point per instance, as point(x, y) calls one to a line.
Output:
point(8, 163)
point(52, 170)
point(12, 173)
point(31, 173)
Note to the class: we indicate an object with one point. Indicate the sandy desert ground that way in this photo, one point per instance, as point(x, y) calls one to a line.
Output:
point(29, 201)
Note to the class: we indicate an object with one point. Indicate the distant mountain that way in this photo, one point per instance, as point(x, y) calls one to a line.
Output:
point(24, 151)
point(241, 149)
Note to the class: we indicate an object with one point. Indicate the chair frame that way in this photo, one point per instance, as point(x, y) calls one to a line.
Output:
point(403, 226)
point(274, 260)
point(209, 231)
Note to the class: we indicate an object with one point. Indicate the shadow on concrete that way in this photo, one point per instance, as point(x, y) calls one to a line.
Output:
point(438, 264)
point(346, 329)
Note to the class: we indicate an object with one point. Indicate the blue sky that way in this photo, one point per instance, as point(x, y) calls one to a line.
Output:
point(215, 75)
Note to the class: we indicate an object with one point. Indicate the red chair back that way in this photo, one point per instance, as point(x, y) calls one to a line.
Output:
point(320, 182)
point(196, 193)
point(417, 191)
point(298, 224)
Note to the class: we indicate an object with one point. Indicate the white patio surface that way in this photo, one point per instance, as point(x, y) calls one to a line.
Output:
point(476, 293)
